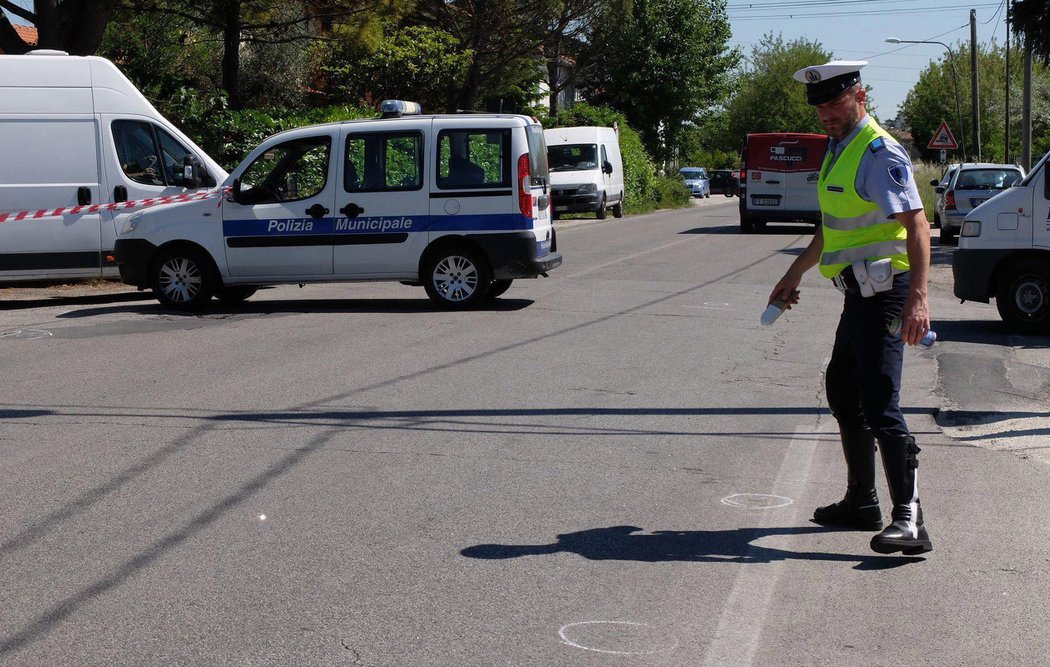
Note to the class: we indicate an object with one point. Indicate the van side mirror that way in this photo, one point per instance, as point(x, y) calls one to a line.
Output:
point(934, 182)
point(607, 167)
point(235, 191)
point(191, 173)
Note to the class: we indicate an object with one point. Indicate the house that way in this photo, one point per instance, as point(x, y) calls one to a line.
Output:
point(27, 33)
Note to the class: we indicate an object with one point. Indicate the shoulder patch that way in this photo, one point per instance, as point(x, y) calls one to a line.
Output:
point(877, 145)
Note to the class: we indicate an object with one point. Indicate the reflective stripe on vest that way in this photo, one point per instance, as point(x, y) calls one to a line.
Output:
point(854, 228)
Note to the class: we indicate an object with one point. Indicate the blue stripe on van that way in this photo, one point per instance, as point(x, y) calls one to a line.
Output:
point(376, 224)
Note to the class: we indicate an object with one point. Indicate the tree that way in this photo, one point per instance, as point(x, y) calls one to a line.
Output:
point(75, 26)
point(256, 24)
point(766, 97)
point(666, 61)
point(565, 43)
point(932, 100)
point(503, 38)
point(416, 63)
point(1031, 21)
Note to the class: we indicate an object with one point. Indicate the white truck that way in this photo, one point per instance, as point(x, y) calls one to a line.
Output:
point(586, 170)
point(75, 133)
point(1004, 252)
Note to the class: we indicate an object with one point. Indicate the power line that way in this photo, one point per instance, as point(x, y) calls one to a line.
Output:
point(811, 17)
point(788, 4)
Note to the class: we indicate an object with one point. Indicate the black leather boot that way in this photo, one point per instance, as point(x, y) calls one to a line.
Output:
point(860, 508)
point(907, 533)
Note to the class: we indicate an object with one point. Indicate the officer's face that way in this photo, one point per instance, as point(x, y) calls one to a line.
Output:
point(842, 114)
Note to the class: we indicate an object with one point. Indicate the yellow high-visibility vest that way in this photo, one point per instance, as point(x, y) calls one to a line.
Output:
point(855, 229)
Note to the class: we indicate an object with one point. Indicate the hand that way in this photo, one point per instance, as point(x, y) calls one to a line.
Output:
point(915, 318)
point(786, 290)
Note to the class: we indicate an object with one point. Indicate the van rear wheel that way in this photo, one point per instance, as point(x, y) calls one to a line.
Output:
point(183, 277)
point(1023, 297)
point(617, 209)
point(456, 277)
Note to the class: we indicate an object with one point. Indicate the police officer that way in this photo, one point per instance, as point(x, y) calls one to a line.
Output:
point(874, 244)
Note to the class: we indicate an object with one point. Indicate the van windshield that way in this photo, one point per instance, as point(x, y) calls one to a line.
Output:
point(1031, 175)
point(573, 157)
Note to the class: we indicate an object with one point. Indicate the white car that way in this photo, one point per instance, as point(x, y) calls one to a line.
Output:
point(696, 180)
point(971, 185)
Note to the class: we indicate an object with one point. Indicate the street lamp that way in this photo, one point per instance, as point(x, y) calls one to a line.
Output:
point(955, 75)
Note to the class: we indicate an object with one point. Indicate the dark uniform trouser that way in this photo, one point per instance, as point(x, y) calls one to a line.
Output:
point(864, 375)
point(863, 387)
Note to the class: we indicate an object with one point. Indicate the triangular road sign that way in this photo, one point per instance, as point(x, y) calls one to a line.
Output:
point(943, 138)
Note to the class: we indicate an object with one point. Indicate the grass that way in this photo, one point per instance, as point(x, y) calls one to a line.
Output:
point(924, 173)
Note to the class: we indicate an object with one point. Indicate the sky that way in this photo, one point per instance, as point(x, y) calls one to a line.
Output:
point(857, 30)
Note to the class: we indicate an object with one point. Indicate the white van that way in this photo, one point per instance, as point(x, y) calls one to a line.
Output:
point(457, 203)
point(75, 132)
point(586, 170)
point(1004, 252)
point(778, 179)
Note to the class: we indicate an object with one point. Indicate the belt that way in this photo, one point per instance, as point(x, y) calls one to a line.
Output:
point(846, 281)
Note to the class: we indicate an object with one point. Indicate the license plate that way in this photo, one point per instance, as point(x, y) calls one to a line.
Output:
point(765, 201)
point(559, 209)
point(975, 202)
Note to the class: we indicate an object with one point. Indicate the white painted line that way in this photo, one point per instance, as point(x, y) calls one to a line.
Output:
point(562, 632)
point(743, 617)
point(756, 501)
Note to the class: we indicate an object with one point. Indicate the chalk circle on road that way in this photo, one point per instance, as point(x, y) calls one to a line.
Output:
point(756, 501)
point(25, 334)
point(618, 637)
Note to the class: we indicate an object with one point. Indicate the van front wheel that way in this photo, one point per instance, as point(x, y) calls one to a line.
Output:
point(1023, 297)
point(600, 213)
point(456, 278)
point(183, 278)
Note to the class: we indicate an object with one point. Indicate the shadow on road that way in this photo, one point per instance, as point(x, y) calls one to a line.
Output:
point(216, 310)
point(79, 300)
point(698, 546)
point(992, 332)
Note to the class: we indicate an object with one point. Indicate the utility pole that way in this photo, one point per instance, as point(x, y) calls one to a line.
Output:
point(976, 118)
point(1006, 152)
point(1026, 116)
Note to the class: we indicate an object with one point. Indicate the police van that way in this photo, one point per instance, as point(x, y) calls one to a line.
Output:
point(778, 179)
point(456, 203)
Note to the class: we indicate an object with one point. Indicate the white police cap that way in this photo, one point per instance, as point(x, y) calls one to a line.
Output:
point(826, 82)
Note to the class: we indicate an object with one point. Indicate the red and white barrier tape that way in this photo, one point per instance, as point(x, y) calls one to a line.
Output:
point(113, 206)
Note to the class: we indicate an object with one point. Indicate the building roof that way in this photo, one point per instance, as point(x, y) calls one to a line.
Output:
point(27, 33)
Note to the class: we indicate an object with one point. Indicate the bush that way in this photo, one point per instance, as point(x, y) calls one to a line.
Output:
point(671, 192)
point(228, 136)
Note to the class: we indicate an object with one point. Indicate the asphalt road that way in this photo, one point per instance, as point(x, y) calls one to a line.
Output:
point(612, 466)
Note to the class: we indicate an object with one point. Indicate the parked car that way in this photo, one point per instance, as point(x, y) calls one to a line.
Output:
point(586, 170)
point(940, 187)
point(971, 185)
point(723, 183)
point(696, 180)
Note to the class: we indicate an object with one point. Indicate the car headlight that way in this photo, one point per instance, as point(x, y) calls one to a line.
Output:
point(588, 188)
point(971, 228)
point(132, 223)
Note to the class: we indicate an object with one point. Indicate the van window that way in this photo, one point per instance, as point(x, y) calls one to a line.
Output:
point(574, 157)
point(383, 161)
point(473, 159)
point(296, 169)
point(147, 153)
point(137, 151)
